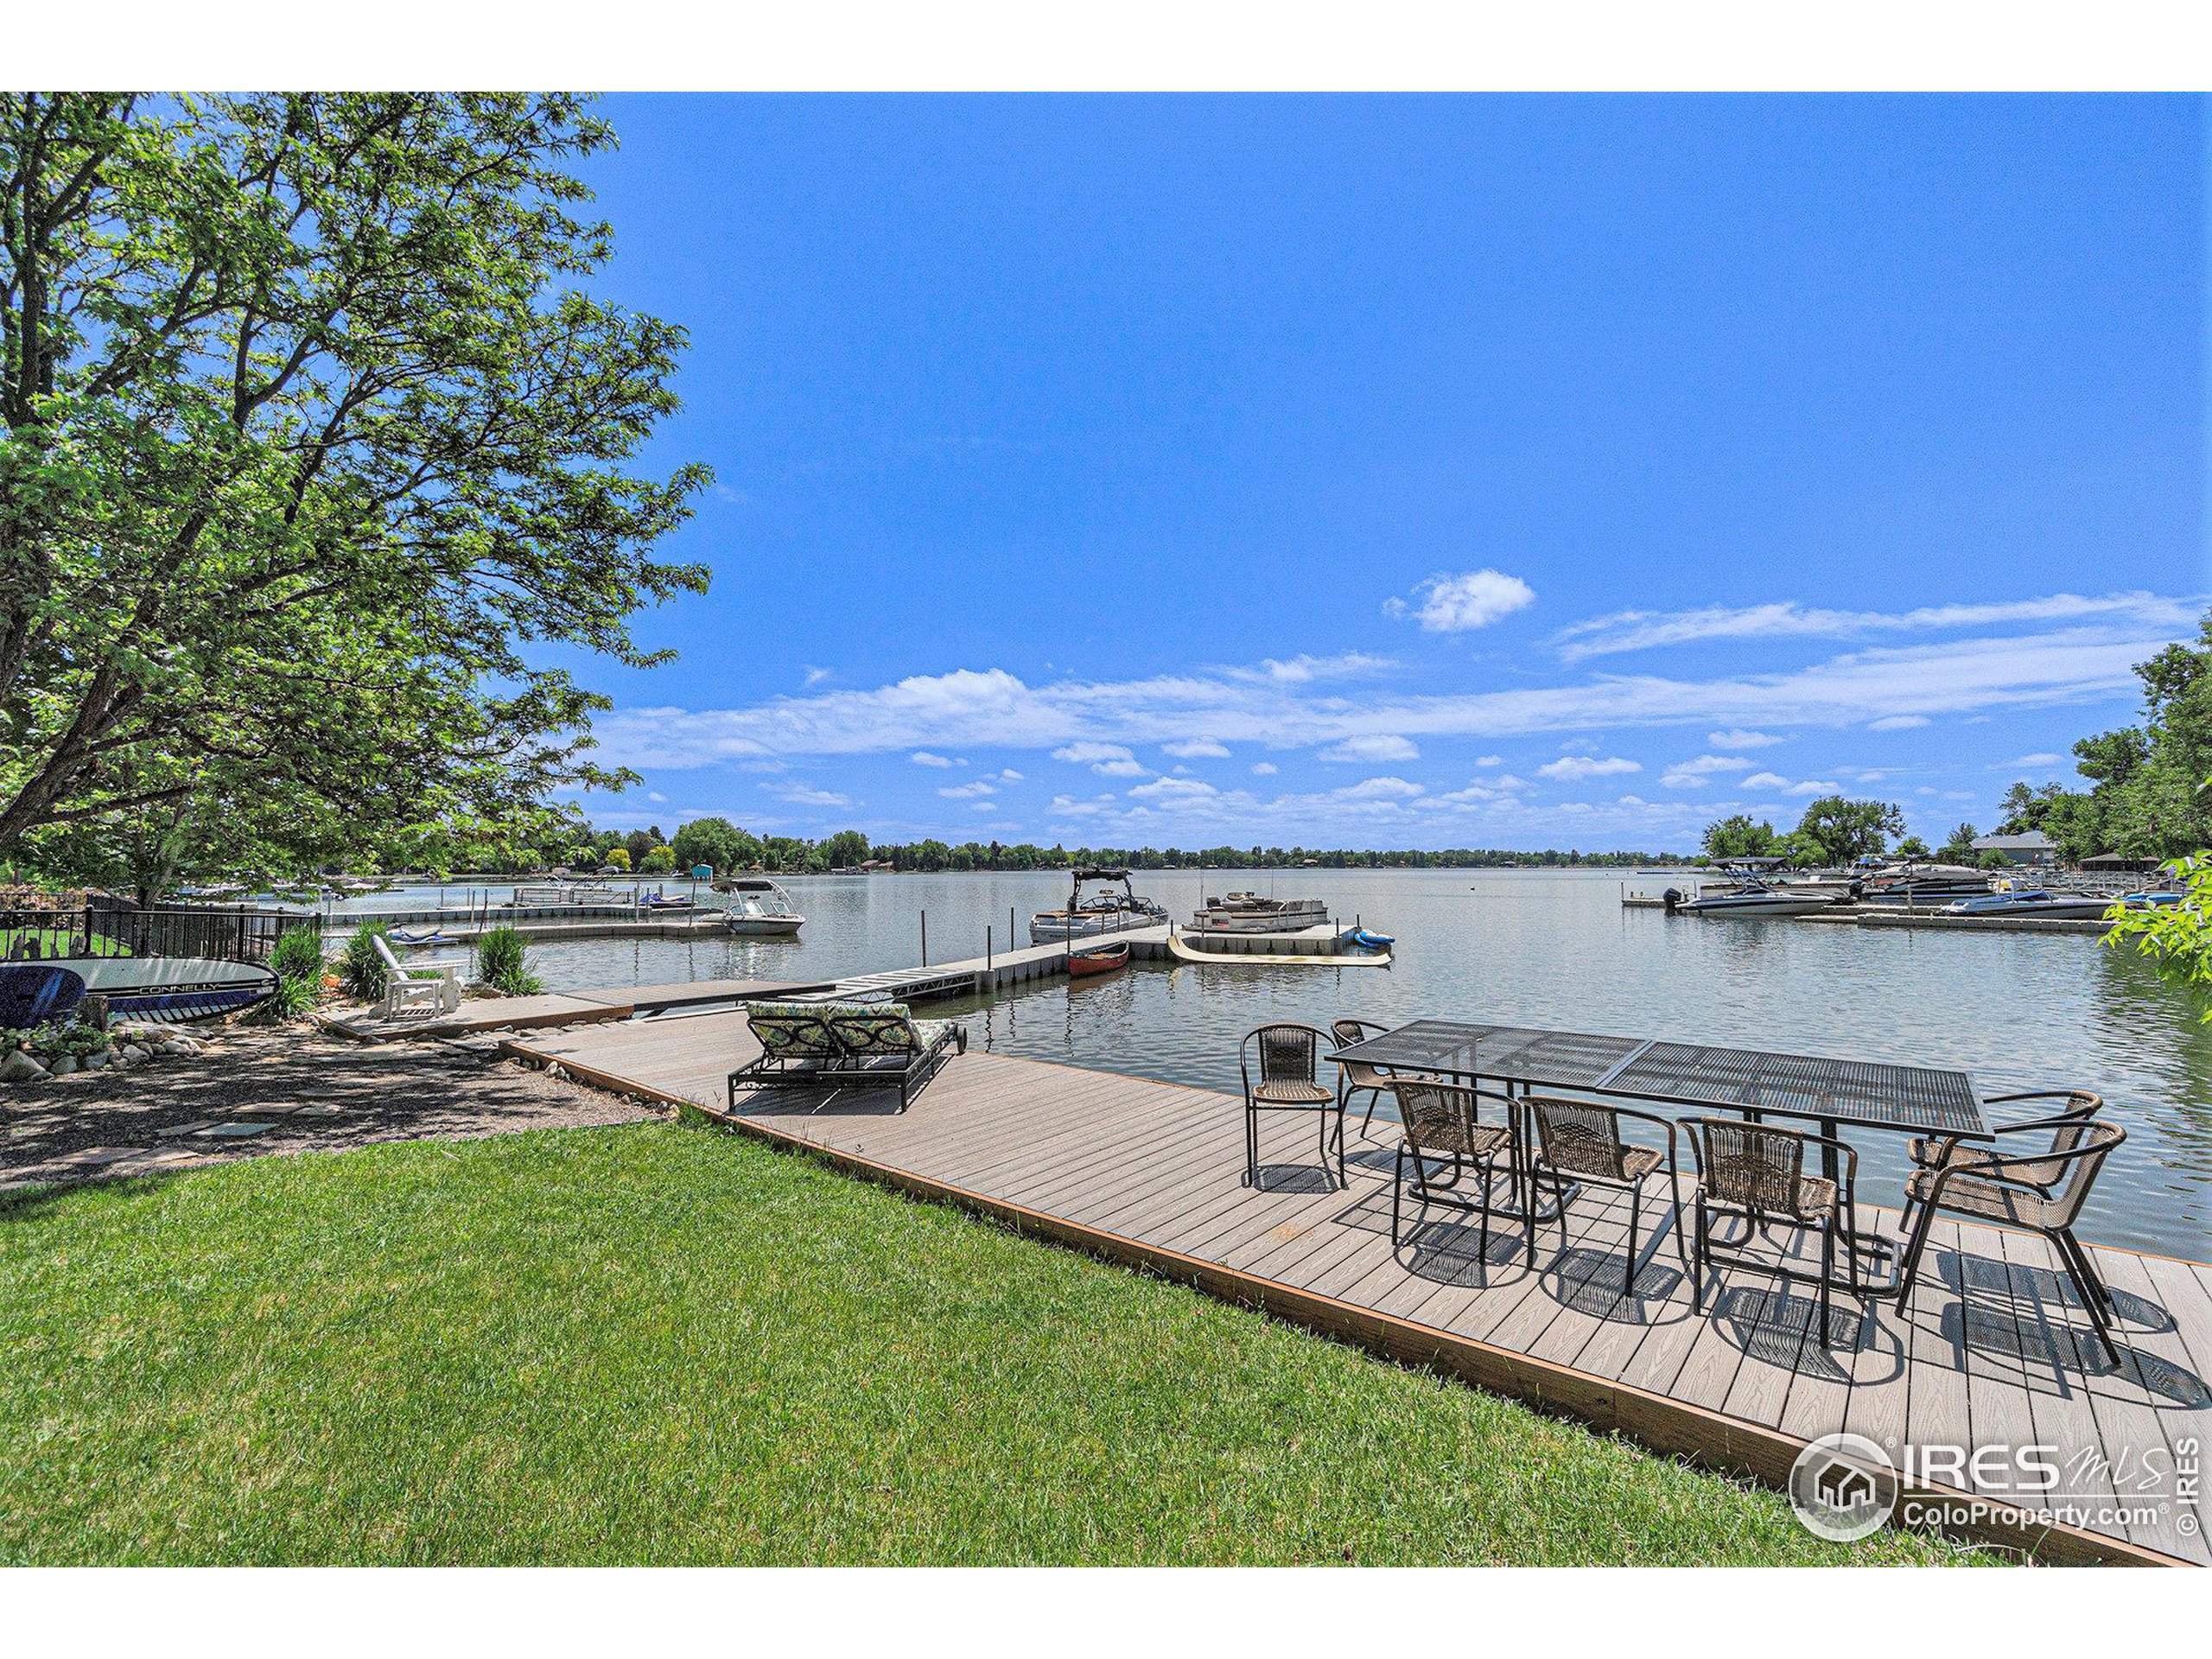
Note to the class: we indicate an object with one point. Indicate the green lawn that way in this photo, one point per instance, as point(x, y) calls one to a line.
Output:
point(53, 942)
point(663, 1345)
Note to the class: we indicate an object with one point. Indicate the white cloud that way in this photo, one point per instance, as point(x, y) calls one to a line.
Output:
point(1787, 619)
point(1265, 769)
point(1741, 739)
point(1197, 749)
point(1369, 749)
point(816, 676)
point(1896, 722)
point(970, 790)
point(1490, 760)
point(1456, 604)
point(657, 797)
point(2027, 763)
point(1694, 774)
point(923, 758)
point(1010, 775)
point(1766, 780)
point(1574, 768)
point(1302, 670)
point(1161, 789)
point(1380, 789)
point(1107, 760)
point(1812, 786)
point(806, 795)
point(969, 708)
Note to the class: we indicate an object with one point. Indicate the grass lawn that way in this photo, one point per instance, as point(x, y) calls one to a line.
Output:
point(658, 1344)
point(54, 941)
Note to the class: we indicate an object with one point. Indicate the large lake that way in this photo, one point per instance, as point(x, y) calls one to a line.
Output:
point(1553, 948)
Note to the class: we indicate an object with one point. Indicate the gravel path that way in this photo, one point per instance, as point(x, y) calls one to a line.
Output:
point(258, 1092)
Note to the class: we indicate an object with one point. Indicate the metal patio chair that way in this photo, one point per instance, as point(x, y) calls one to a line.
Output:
point(1755, 1173)
point(2043, 1193)
point(1353, 1076)
point(1443, 1124)
point(2067, 1126)
point(1289, 1064)
point(1580, 1141)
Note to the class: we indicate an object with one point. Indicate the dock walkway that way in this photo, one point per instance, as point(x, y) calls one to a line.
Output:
point(1150, 1174)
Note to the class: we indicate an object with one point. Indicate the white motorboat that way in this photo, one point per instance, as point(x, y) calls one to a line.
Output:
point(1104, 910)
point(1750, 893)
point(1916, 884)
point(1247, 912)
point(2034, 903)
point(758, 906)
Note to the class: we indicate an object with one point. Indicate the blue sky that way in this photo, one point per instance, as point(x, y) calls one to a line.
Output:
point(1509, 471)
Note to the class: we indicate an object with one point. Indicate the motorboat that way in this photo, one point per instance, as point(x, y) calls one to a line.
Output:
point(1750, 891)
point(1247, 912)
point(1095, 960)
point(1102, 911)
point(2033, 903)
point(1917, 884)
point(759, 906)
point(171, 989)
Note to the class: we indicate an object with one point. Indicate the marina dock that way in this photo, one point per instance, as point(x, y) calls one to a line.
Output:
point(1148, 1175)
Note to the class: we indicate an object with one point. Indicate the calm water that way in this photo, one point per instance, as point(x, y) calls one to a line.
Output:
point(1555, 949)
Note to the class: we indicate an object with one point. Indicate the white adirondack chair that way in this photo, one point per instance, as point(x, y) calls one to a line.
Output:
point(430, 990)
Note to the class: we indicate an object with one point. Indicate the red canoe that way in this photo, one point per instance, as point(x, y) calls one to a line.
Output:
point(1100, 959)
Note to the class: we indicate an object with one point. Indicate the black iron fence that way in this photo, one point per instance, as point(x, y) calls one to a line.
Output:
point(236, 933)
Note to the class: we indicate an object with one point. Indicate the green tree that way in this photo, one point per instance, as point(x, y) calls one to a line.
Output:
point(715, 843)
point(1959, 849)
point(1836, 831)
point(845, 849)
point(1738, 836)
point(659, 859)
point(306, 427)
point(618, 857)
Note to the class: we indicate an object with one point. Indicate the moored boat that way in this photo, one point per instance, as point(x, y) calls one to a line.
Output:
point(1095, 960)
point(1751, 893)
point(759, 906)
point(2033, 903)
point(1247, 912)
point(1102, 911)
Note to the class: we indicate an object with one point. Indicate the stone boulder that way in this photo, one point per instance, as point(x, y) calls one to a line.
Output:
point(20, 1067)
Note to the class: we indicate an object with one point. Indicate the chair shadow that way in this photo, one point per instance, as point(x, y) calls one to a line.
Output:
point(1595, 1282)
point(860, 1101)
point(1777, 1324)
point(1451, 1252)
point(2047, 1284)
point(1968, 1325)
point(1297, 1177)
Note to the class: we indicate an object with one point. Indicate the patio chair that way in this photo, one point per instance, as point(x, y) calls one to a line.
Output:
point(884, 1045)
point(1289, 1061)
point(1353, 1076)
point(1442, 1123)
point(1755, 1173)
point(2067, 1126)
point(2042, 1192)
point(433, 990)
point(1580, 1141)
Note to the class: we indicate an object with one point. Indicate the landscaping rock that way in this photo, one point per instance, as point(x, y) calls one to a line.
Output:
point(132, 1053)
point(99, 1059)
point(20, 1067)
point(63, 1066)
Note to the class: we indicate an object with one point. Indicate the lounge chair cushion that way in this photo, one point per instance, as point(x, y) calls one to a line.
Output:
point(790, 1032)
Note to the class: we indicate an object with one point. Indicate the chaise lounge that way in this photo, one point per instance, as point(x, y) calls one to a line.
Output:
point(845, 1046)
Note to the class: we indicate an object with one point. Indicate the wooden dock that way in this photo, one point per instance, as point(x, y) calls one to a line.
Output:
point(1150, 1174)
point(560, 1008)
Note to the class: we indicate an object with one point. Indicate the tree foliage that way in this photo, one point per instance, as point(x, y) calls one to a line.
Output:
point(306, 432)
point(715, 843)
point(2146, 799)
point(1739, 836)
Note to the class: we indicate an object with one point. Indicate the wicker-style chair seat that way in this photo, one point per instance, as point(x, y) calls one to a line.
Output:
point(2067, 1126)
point(1580, 1141)
point(1443, 1125)
point(1289, 1059)
point(1353, 1076)
point(1756, 1172)
point(1991, 1190)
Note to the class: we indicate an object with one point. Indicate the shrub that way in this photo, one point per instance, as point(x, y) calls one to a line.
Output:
point(658, 860)
point(502, 963)
point(297, 961)
point(360, 967)
point(618, 858)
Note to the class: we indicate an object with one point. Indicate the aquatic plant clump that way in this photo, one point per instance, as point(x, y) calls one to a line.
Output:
point(504, 965)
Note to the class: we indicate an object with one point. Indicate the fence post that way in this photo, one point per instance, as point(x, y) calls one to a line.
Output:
point(925, 938)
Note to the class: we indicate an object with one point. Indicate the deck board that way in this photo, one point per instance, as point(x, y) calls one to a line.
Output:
point(1154, 1173)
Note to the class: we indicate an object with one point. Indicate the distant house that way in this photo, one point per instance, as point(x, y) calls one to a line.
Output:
point(2034, 848)
point(2115, 862)
point(876, 866)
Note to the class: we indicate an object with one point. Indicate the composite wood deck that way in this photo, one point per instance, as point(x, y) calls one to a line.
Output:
point(1992, 1352)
